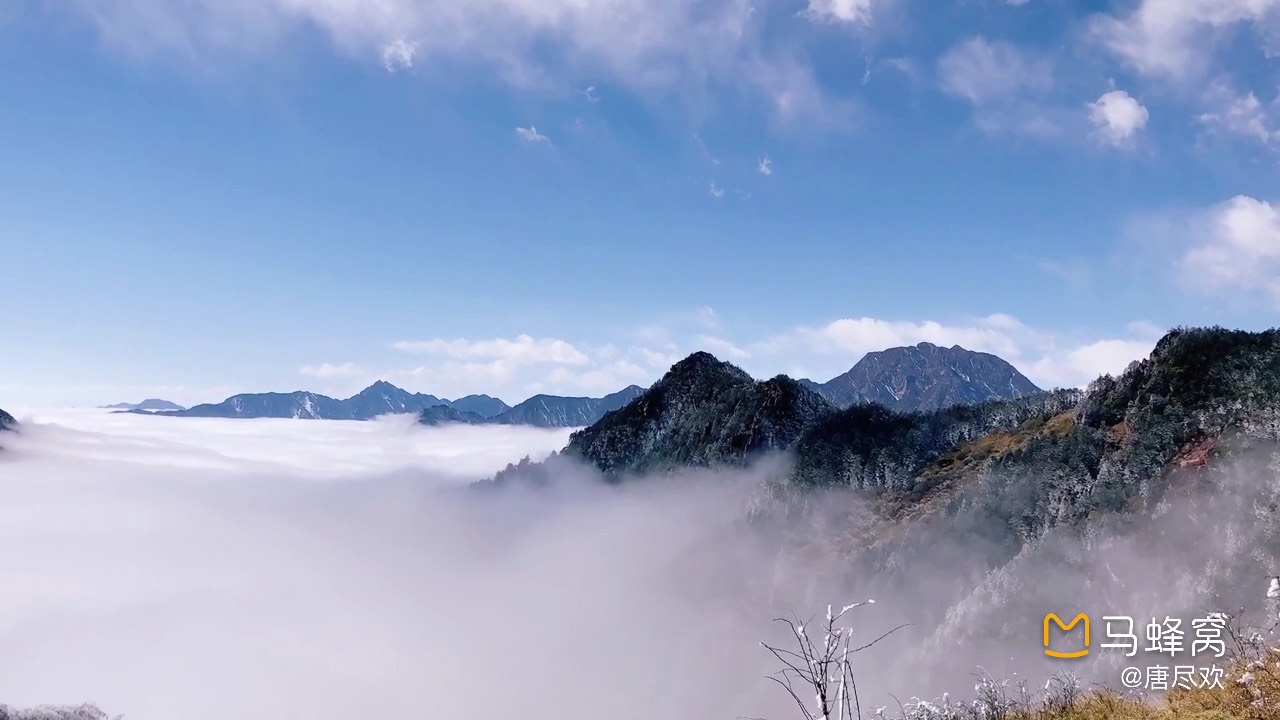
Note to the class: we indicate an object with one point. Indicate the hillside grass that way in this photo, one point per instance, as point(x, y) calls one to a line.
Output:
point(1250, 691)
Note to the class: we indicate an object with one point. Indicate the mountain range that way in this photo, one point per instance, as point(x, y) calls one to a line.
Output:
point(1167, 469)
point(919, 377)
point(148, 404)
point(382, 398)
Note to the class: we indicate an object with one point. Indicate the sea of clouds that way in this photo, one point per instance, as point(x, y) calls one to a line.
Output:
point(184, 568)
point(167, 568)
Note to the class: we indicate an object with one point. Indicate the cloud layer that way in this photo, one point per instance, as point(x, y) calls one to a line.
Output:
point(240, 569)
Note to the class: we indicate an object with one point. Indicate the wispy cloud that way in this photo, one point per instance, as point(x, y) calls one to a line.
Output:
point(766, 166)
point(327, 371)
point(398, 55)
point(716, 191)
point(1005, 85)
point(531, 134)
point(652, 47)
point(1178, 40)
point(522, 349)
point(706, 152)
point(1240, 114)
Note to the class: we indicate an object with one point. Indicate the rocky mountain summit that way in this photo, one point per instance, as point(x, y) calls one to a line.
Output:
point(925, 377)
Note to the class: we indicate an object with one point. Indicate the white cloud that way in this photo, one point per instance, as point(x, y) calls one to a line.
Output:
point(531, 134)
point(716, 191)
point(524, 349)
point(1237, 114)
point(1177, 39)
point(1005, 85)
point(398, 55)
point(327, 371)
point(646, 46)
point(1077, 366)
point(598, 381)
point(319, 448)
point(1046, 358)
point(1237, 250)
point(854, 337)
point(766, 166)
point(211, 558)
point(840, 11)
point(1117, 117)
point(721, 348)
point(984, 72)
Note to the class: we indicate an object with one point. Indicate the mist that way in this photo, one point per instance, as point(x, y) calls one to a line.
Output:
point(168, 568)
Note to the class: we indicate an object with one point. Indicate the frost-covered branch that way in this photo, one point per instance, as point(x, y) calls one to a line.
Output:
point(822, 666)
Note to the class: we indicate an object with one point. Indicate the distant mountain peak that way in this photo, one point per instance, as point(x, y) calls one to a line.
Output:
point(382, 387)
point(926, 376)
point(150, 404)
point(704, 411)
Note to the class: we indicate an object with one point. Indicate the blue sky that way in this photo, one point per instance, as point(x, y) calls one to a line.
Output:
point(518, 196)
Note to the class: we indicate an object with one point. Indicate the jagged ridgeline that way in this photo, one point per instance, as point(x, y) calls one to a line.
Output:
point(1094, 448)
point(706, 413)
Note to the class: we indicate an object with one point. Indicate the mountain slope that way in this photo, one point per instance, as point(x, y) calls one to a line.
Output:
point(556, 411)
point(482, 405)
point(926, 377)
point(6, 421)
point(149, 404)
point(305, 405)
point(703, 412)
point(445, 414)
point(382, 398)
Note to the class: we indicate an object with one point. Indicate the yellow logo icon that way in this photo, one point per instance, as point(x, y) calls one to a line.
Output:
point(1066, 628)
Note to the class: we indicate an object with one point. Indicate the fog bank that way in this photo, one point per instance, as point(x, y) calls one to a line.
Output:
point(170, 568)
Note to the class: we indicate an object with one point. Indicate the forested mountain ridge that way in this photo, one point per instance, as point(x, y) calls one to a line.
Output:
point(1043, 458)
point(704, 412)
